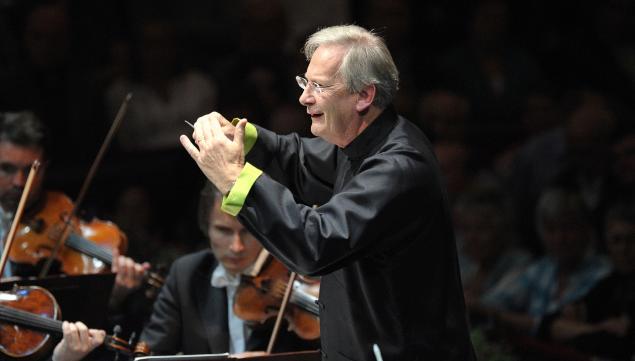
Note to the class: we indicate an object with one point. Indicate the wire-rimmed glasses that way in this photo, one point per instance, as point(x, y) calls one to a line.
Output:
point(303, 83)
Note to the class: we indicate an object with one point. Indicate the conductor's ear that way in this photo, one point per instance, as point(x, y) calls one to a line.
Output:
point(365, 98)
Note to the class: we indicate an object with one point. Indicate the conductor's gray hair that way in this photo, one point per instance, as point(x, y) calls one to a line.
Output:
point(367, 60)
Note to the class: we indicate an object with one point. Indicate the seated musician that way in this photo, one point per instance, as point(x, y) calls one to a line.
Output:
point(22, 141)
point(193, 313)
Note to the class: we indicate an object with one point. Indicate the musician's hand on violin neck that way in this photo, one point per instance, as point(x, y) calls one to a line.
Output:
point(130, 274)
point(129, 277)
point(78, 342)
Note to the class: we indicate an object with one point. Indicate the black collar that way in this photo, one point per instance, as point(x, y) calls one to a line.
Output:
point(376, 132)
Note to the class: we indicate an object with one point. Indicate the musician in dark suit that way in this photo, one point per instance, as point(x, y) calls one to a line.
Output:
point(193, 313)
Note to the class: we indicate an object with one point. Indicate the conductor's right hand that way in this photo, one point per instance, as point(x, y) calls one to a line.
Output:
point(219, 156)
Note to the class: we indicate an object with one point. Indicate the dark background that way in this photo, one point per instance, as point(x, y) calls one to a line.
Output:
point(518, 64)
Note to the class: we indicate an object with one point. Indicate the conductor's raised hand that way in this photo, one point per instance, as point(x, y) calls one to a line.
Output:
point(220, 153)
point(226, 125)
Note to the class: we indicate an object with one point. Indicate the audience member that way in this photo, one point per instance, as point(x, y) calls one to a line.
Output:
point(565, 274)
point(575, 155)
point(488, 250)
point(601, 323)
point(495, 74)
point(444, 115)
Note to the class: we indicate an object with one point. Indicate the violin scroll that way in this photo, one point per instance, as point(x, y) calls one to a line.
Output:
point(141, 349)
point(121, 346)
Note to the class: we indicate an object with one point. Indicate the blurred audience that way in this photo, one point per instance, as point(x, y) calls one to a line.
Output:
point(165, 91)
point(601, 323)
point(57, 86)
point(576, 154)
point(494, 73)
point(454, 160)
point(565, 274)
point(622, 172)
point(488, 250)
point(444, 115)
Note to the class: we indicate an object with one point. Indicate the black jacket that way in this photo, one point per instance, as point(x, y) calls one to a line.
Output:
point(381, 237)
point(190, 315)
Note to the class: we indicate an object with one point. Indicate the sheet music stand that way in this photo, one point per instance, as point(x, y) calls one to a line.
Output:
point(285, 356)
point(81, 298)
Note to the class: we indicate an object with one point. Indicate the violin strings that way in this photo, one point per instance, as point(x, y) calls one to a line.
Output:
point(89, 248)
point(304, 301)
point(103, 254)
point(306, 304)
point(29, 319)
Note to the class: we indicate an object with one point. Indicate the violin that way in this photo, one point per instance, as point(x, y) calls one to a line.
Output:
point(258, 298)
point(28, 318)
point(88, 248)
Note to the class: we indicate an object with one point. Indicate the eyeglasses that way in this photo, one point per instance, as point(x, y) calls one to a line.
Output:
point(304, 83)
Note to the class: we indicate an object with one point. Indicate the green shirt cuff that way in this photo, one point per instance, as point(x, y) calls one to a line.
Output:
point(251, 135)
point(234, 200)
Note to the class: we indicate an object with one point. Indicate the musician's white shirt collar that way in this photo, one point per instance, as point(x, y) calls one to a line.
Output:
point(238, 331)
